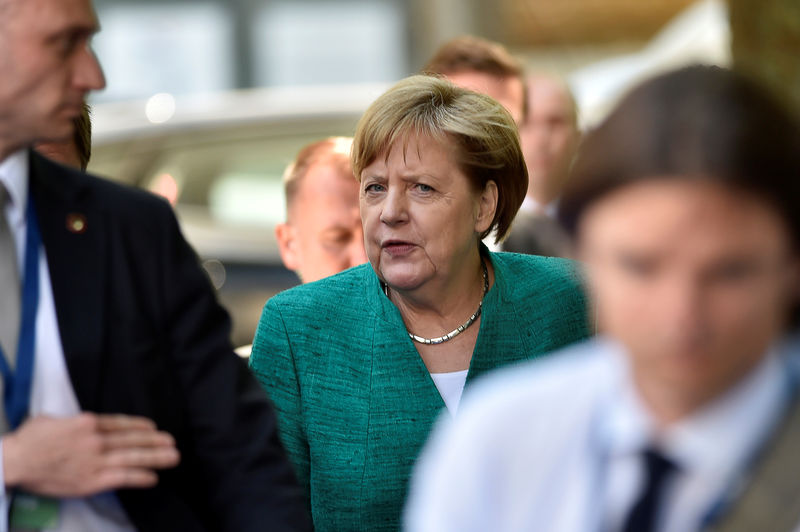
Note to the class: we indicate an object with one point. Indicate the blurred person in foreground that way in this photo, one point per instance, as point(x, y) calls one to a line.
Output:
point(549, 137)
point(124, 407)
point(482, 66)
point(360, 364)
point(74, 151)
point(322, 234)
point(684, 415)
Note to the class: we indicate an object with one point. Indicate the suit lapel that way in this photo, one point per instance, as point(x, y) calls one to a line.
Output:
point(74, 237)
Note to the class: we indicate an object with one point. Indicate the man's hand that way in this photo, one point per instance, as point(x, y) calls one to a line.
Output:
point(86, 454)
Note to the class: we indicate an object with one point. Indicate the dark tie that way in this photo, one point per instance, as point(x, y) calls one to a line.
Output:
point(643, 514)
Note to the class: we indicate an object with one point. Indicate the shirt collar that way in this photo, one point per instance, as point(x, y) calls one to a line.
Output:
point(626, 427)
point(721, 437)
point(727, 433)
point(14, 176)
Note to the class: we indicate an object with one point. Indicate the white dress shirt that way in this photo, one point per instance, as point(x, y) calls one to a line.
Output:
point(554, 445)
point(51, 393)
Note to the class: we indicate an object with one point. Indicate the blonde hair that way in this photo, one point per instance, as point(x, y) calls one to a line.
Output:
point(480, 129)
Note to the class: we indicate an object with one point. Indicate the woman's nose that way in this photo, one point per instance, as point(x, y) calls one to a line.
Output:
point(394, 209)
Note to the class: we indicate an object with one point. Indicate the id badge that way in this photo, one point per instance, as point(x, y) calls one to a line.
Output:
point(33, 512)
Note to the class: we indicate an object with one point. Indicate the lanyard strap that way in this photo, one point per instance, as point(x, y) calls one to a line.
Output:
point(17, 384)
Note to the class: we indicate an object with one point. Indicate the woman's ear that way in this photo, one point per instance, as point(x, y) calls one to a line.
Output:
point(487, 206)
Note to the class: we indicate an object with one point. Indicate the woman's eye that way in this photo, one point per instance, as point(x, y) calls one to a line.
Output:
point(374, 187)
point(424, 188)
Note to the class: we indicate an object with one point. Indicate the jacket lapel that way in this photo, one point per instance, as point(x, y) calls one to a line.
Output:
point(396, 362)
point(74, 237)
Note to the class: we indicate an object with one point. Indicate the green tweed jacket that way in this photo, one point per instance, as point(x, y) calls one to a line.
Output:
point(355, 401)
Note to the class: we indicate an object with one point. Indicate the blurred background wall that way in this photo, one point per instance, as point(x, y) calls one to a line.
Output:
point(184, 46)
point(191, 46)
point(766, 43)
point(209, 100)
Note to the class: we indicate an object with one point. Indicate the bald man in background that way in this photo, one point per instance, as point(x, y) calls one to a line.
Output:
point(549, 136)
point(322, 234)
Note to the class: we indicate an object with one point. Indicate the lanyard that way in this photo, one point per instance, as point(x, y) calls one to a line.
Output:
point(17, 384)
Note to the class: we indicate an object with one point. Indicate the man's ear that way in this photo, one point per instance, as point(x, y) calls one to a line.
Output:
point(287, 245)
point(487, 206)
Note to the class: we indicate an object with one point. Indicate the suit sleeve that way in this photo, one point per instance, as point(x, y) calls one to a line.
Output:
point(233, 437)
point(272, 361)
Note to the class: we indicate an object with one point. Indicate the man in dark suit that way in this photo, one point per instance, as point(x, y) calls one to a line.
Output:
point(124, 406)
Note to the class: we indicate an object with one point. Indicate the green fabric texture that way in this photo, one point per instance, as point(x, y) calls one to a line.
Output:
point(354, 399)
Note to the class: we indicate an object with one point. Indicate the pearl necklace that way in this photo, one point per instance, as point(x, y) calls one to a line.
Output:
point(461, 328)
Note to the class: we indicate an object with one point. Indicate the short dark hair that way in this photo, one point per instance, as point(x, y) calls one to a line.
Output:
point(699, 122)
point(468, 53)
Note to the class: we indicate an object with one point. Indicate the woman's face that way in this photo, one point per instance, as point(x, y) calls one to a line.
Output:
point(420, 214)
point(693, 278)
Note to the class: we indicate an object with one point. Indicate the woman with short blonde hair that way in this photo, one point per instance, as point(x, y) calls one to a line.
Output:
point(360, 364)
point(486, 148)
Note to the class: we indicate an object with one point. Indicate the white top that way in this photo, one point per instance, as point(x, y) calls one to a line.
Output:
point(450, 386)
point(552, 445)
point(51, 393)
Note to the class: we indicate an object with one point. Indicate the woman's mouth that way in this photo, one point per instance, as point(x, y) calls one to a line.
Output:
point(397, 248)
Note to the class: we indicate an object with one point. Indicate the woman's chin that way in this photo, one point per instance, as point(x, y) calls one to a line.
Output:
point(401, 279)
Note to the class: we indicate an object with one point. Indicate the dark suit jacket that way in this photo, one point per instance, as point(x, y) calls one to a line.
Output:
point(143, 334)
point(537, 234)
